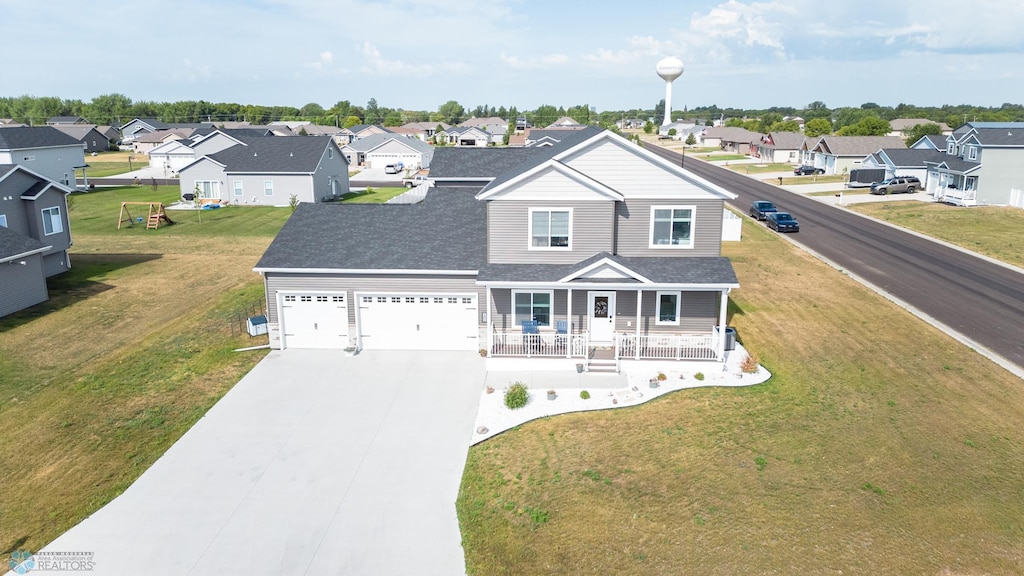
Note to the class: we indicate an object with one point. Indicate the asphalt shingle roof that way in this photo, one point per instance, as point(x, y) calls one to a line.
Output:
point(1001, 136)
point(267, 154)
point(786, 140)
point(447, 231)
point(913, 157)
point(471, 162)
point(955, 163)
point(681, 270)
point(12, 243)
point(34, 137)
point(374, 140)
point(859, 145)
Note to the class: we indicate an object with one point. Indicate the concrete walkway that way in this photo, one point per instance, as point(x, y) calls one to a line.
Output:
point(313, 464)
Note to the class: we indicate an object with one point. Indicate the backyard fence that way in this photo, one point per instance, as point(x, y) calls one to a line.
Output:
point(240, 318)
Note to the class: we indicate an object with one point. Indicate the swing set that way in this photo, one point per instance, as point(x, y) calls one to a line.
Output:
point(156, 215)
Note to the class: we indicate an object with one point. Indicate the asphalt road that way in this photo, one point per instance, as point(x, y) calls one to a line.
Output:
point(981, 301)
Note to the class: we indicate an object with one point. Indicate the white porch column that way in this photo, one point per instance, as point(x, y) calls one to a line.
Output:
point(490, 324)
point(723, 306)
point(568, 322)
point(639, 302)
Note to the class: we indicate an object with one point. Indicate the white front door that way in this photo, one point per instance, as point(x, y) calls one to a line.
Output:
point(601, 310)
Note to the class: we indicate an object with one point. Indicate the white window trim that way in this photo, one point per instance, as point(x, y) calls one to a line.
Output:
point(551, 306)
point(268, 187)
point(237, 188)
point(693, 228)
point(214, 188)
point(657, 308)
point(972, 153)
point(3, 220)
point(529, 232)
point(59, 222)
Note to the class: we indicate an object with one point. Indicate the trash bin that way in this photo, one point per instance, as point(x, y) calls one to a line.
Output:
point(730, 337)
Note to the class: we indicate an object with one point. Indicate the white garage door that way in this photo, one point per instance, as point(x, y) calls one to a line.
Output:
point(418, 321)
point(314, 320)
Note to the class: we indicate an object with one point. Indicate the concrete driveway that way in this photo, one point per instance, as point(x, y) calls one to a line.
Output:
point(314, 463)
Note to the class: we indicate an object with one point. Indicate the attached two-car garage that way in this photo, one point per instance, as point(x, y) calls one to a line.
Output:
point(384, 321)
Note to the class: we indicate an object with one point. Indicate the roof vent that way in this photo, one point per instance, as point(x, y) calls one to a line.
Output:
point(255, 154)
point(290, 154)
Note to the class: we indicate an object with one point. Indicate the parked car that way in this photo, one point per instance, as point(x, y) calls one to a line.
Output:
point(392, 168)
point(805, 170)
point(782, 222)
point(896, 185)
point(760, 208)
point(416, 180)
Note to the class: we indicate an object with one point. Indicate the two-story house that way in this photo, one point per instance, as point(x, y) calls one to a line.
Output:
point(44, 150)
point(34, 236)
point(981, 166)
point(269, 170)
point(590, 251)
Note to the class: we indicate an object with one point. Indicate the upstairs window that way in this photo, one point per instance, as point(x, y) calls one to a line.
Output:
point(671, 227)
point(550, 228)
point(52, 223)
point(972, 153)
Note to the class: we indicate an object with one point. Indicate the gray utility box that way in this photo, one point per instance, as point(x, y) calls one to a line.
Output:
point(730, 337)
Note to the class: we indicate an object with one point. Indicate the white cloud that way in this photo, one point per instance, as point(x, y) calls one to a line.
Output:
point(376, 64)
point(324, 63)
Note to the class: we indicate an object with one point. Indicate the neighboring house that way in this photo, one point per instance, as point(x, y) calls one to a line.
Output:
point(932, 141)
point(379, 150)
point(144, 143)
point(215, 142)
point(63, 120)
point(517, 140)
point(902, 126)
point(424, 130)
point(780, 147)
point(522, 123)
point(732, 139)
point(140, 127)
point(270, 170)
point(88, 135)
point(485, 122)
point(563, 122)
point(903, 162)
point(45, 150)
point(172, 156)
point(363, 130)
point(34, 236)
point(467, 136)
point(682, 130)
point(981, 166)
point(592, 252)
point(840, 154)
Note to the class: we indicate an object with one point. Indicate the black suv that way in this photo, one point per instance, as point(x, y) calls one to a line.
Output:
point(759, 210)
point(805, 170)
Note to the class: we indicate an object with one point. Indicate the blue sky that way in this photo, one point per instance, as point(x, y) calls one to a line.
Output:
point(417, 54)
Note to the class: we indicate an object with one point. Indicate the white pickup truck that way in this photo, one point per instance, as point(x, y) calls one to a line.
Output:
point(414, 181)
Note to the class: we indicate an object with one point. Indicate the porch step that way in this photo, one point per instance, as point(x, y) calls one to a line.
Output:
point(603, 365)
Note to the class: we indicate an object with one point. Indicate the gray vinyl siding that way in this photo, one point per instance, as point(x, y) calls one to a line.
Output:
point(334, 166)
point(698, 311)
point(22, 286)
point(633, 228)
point(205, 170)
point(508, 229)
point(352, 283)
point(999, 173)
point(55, 163)
point(11, 203)
point(301, 185)
point(55, 263)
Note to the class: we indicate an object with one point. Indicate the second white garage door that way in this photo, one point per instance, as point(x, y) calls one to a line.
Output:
point(418, 321)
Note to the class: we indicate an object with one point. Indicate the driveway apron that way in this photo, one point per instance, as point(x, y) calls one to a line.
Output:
point(313, 464)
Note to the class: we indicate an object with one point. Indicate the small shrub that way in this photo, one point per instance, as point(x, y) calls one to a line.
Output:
point(293, 202)
point(760, 462)
point(750, 363)
point(516, 396)
point(699, 376)
point(662, 377)
point(584, 394)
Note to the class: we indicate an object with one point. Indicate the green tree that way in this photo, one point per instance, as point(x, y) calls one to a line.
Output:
point(917, 132)
point(111, 109)
point(393, 119)
point(351, 121)
point(452, 112)
point(691, 139)
point(659, 110)
point(545, 115)
point(816, 109)
point(312, 109)
point(867, 126)
point(648, 127)
point(373, 112)
point(817, 127)
point(785, 126)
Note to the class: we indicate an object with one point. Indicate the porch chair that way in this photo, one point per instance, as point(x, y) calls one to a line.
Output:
point(561, 334)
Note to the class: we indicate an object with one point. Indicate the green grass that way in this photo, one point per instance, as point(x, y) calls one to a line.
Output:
point(845, 191)
point(713, 157)
point(101, 169)
point(374, 195)
point(853, 458)
point(990, 230)
point(761, 168)
point(97, 212)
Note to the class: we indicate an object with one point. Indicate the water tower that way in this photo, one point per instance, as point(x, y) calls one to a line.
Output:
point(669, 69)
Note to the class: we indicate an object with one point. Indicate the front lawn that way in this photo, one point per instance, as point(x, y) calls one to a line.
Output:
point(713, 157)
point(374, 195)
point(879, 446)
point(810, 179)
point(102, 169)
point(994, 231)
point(761, 168)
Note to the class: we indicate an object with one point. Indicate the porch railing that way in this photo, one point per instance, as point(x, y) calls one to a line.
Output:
point(539, 345)
point(665, 347)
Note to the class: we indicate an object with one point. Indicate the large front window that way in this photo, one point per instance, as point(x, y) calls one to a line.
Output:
point(549, 228)
point(668, 308)
point(52, 223)
point(532, 306)
point(671, 227)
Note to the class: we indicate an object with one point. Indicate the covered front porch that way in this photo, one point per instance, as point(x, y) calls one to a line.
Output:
point(606, 313)
point(956, 184)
